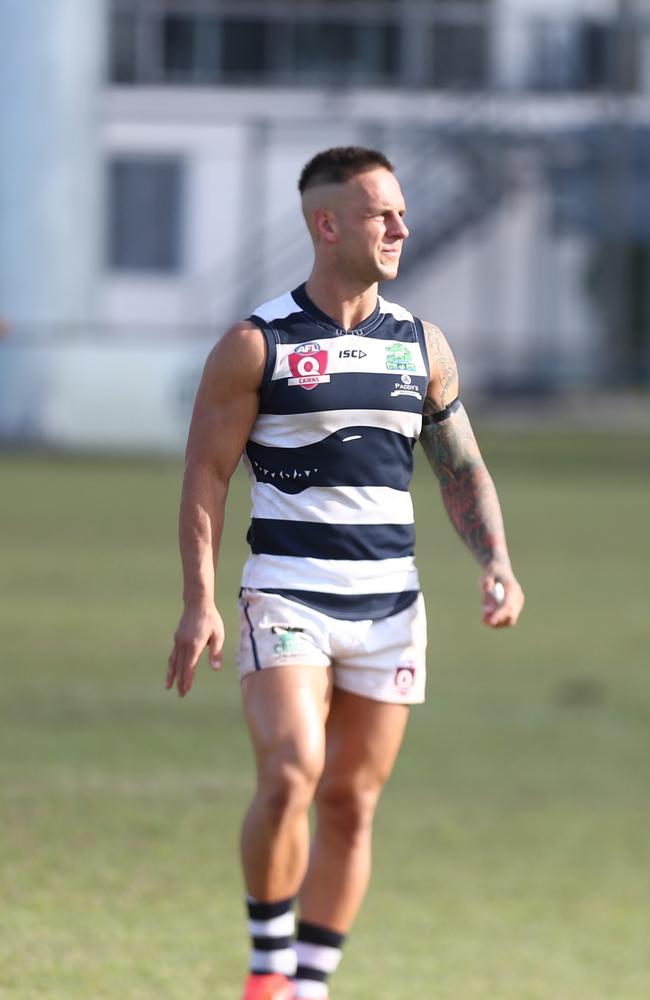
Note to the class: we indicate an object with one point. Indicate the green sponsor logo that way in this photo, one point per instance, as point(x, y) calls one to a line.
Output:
point(398, 358)
point(290, 641)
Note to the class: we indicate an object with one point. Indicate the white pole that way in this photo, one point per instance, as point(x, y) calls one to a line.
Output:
point(51, 74)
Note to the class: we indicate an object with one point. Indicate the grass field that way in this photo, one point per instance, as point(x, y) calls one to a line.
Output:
point(512, 855)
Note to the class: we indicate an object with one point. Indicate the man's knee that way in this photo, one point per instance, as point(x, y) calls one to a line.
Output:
point(286, 788)
point(346, 809)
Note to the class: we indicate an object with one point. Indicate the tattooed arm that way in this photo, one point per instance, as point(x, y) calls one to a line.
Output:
point(468, 492)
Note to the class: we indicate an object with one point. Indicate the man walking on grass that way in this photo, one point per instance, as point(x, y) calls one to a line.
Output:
point(324, 392)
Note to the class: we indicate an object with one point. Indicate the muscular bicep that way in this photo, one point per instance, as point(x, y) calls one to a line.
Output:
point(443, 379)
point(227, 400)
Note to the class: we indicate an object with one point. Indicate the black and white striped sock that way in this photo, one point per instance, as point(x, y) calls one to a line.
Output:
point(271, 927)
point(318, 952)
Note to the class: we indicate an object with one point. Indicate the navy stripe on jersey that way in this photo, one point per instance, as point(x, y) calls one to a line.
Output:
point(386, 391)
point(331, 541)
point(355, 456)
point(350, 607)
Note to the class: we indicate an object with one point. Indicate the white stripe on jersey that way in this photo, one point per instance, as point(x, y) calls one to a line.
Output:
point(336, 576)
point(363, 355)
point(335, 504)
point(278, 308)
point(396, 310)
point(270, 429)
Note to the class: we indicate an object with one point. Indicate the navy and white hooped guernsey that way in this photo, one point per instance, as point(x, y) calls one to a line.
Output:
point(330, 458)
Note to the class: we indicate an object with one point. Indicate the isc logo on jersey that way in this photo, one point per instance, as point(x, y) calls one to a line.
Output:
point(308, 365)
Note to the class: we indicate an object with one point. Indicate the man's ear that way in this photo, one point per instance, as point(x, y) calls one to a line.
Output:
point(325, 225)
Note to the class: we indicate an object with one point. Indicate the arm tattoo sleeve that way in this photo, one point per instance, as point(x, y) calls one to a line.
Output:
point(468, 492)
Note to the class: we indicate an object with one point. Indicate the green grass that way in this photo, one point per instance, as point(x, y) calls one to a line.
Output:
point(512, 857)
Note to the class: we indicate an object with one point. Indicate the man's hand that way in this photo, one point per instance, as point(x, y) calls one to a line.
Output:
point(199, 627)
point(501, 613)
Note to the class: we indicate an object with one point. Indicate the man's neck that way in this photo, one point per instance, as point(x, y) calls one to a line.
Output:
point(345, 305)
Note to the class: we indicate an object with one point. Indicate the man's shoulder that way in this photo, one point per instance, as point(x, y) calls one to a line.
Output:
point(243, 344)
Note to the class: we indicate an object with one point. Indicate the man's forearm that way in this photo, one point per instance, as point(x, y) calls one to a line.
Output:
point(472, 504)
point(467, 489)
point(201, 518)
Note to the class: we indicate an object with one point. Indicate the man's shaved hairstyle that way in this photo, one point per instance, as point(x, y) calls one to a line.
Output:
point(339, 164)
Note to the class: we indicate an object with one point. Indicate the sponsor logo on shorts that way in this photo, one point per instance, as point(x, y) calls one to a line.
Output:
point(290, 640)
point(308, 365)
point(398, 358)
point(405, 387)
point(404, 677)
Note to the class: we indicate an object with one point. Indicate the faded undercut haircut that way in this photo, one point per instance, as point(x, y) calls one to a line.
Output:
point(339, 164)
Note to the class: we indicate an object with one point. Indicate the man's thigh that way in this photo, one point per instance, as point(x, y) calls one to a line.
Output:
point(286, 711)
point(363, 739)
point(286, 681)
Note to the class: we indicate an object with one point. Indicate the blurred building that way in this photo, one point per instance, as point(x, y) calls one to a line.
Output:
point(520, 130)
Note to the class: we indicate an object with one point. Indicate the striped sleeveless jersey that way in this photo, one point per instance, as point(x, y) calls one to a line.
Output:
point(330, 458)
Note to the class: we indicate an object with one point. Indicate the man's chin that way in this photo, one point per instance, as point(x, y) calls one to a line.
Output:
point(387, 272)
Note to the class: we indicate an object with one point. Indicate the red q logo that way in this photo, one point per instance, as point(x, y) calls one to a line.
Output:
point(308, 366)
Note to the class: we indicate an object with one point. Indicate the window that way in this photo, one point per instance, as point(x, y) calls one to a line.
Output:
point(345, 51)
point(145, 214)
point(459, 56)
point(191, 49)
point(122, 52)
point(245, 49)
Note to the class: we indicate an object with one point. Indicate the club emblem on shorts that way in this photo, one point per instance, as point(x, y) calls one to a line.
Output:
point(405, 387)
point(404, 677)
point(398, 358)
point(308, 365)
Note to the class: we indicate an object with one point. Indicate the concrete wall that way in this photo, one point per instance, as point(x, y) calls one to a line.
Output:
point(88, 394)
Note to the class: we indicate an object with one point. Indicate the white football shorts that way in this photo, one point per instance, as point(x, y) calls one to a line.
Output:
point(384, 659)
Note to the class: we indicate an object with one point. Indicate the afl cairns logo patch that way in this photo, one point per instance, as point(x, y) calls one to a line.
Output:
point(308, 365)
point(404, 677)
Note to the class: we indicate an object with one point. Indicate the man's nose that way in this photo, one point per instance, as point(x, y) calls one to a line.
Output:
point(398, 227)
